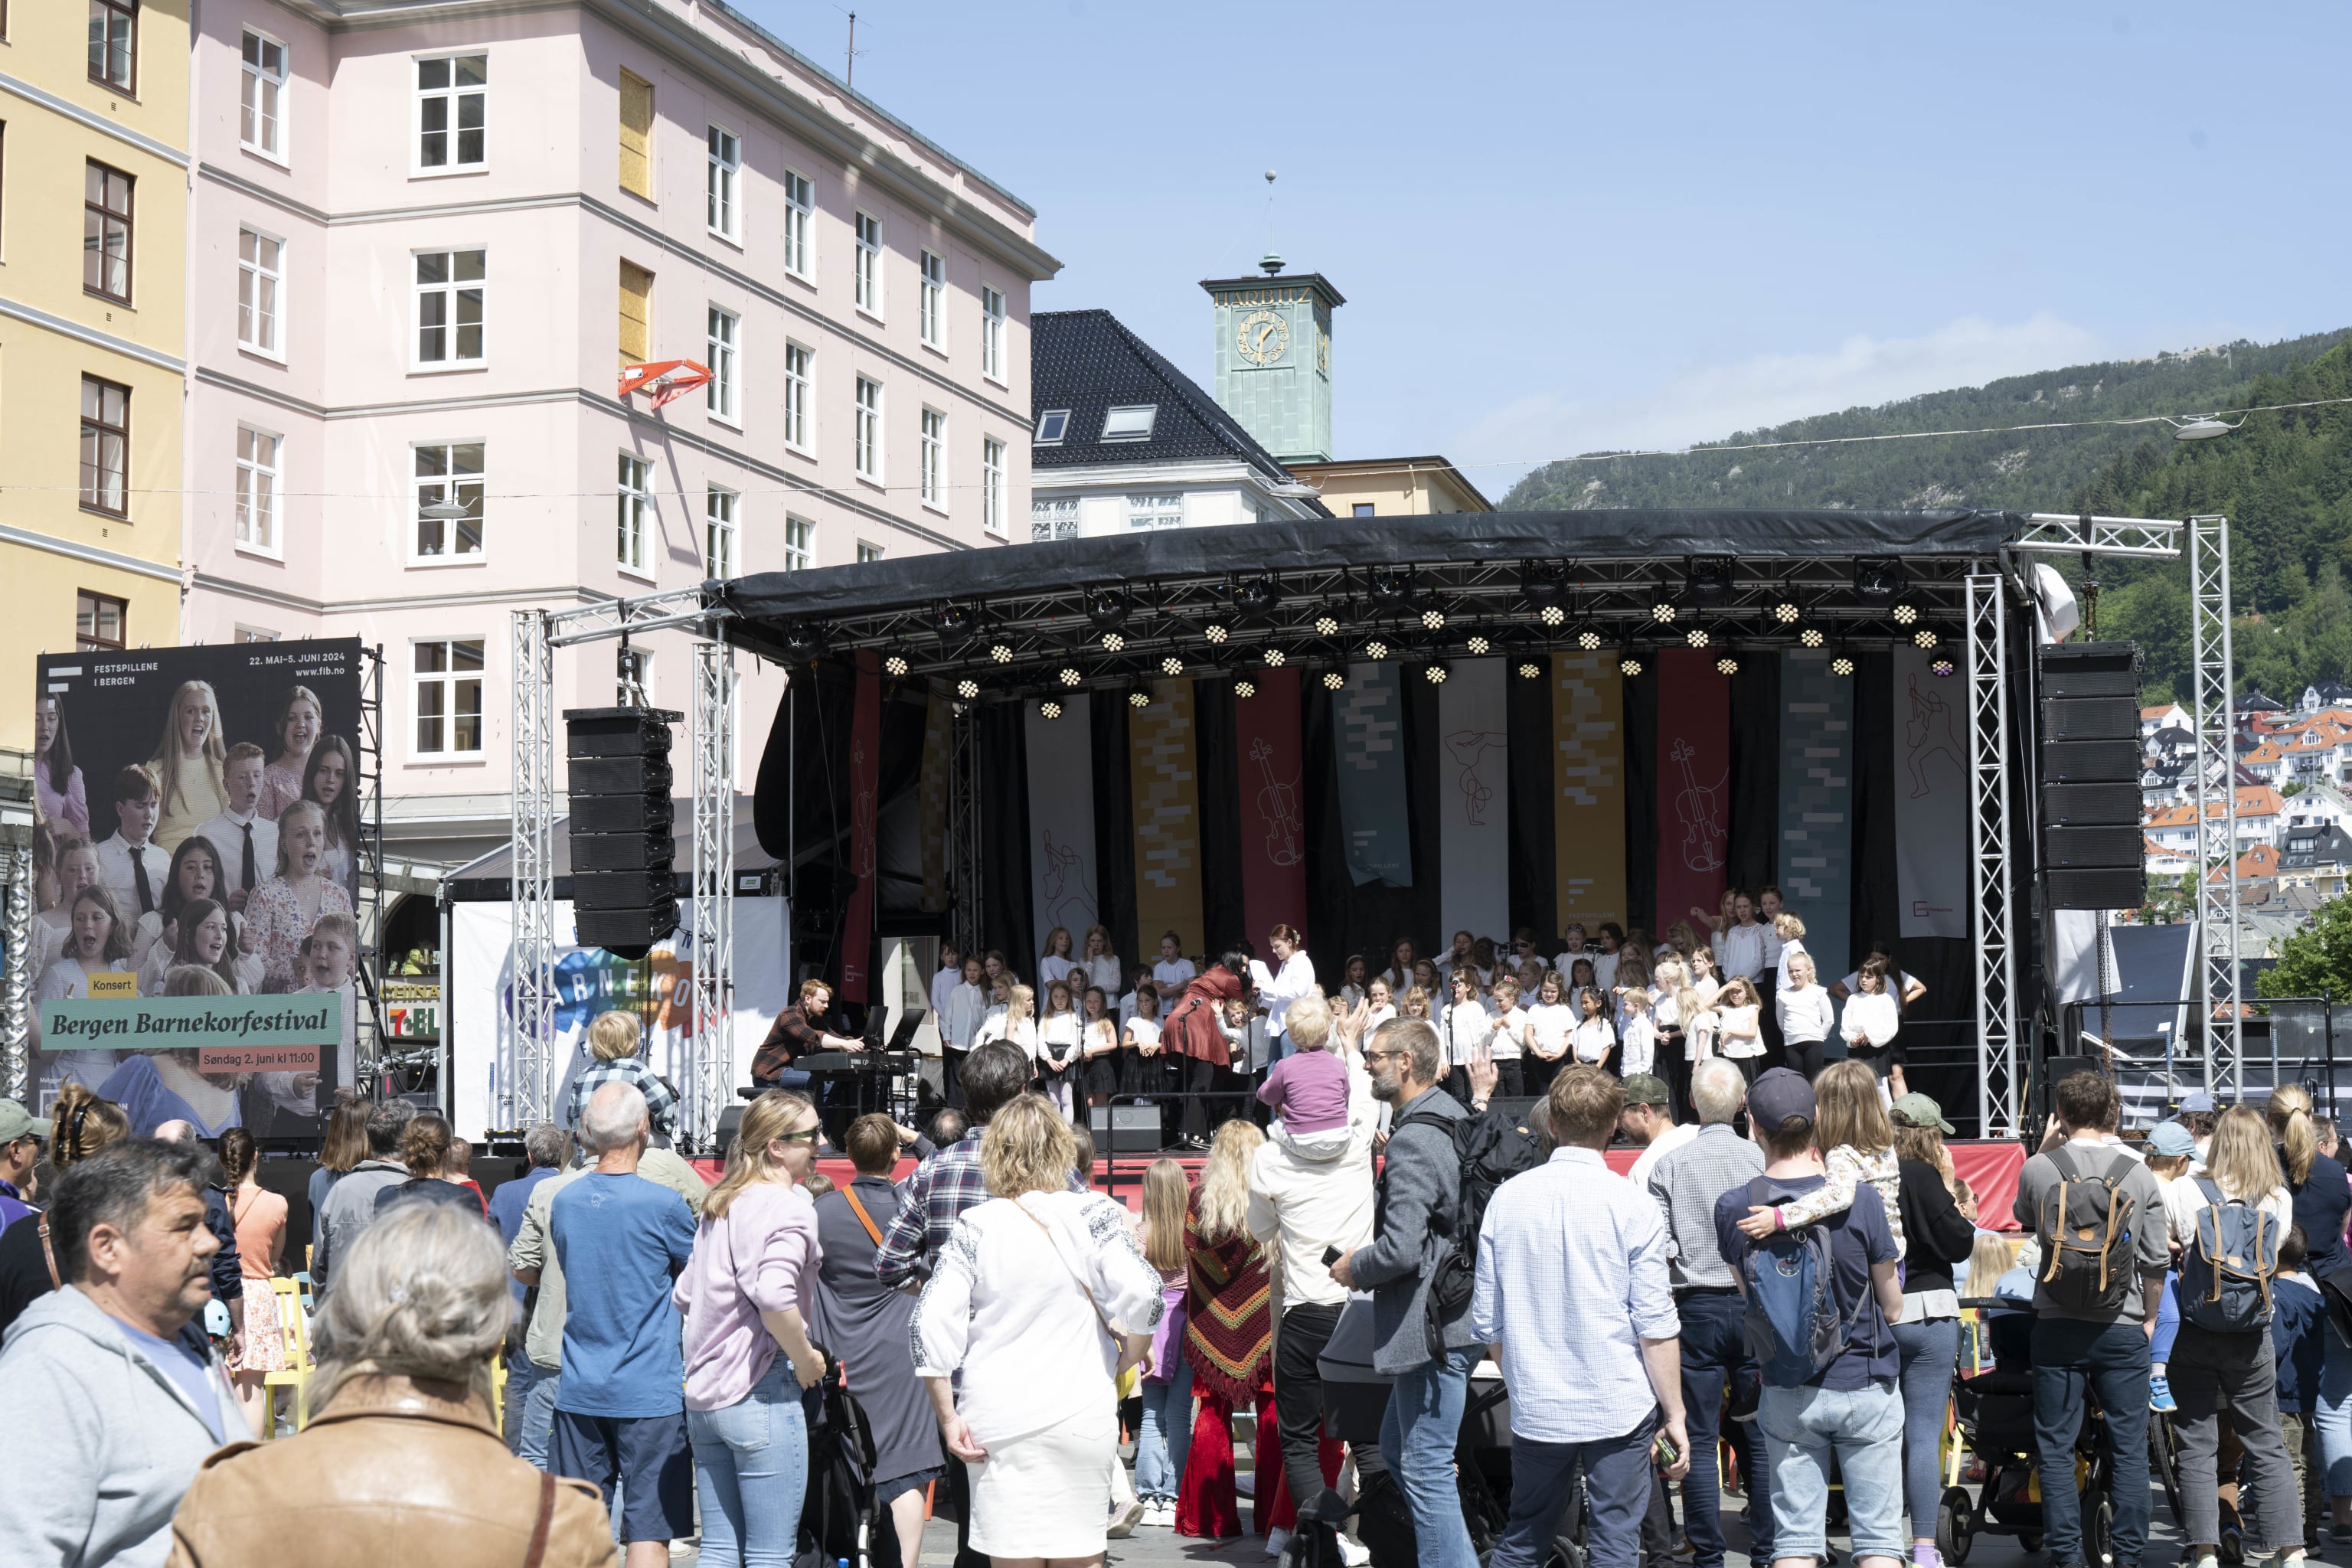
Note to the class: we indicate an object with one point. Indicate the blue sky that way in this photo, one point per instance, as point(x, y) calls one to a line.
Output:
point(1564, 227)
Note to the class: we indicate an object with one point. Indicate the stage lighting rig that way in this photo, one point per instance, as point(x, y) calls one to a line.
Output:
point(1113, 642)
point(1696, 636)
point(967, 688)
point(1841, 663)
point(1552, 615)
point(803, 640)
point(1391, 586)
point(1811, 636)
point(1727, 664)
point(1244, 687)
point(1590, 640)
point(1257, 597)
point(1216, 633)
point(1478, 646)
point(1171, 665)
point(1333, 678)
point(1436, 672)
point(1376, 648)
point(1707, 578)
point(1876, 579)
point(1433, 620)
point(893, 666)
point(1664, 611)
point(1924, 637)
point(953, 620)
point(1138, 696)
point(1275, 659)
point(1787, 612)
point(1068, 675)
point(1108, 608)
point(999, 653)
point(1942, 664)
point(1327, 626)
point(1630, 663)
point(1049, 709)
point(1905, 615)
point(1543, 582)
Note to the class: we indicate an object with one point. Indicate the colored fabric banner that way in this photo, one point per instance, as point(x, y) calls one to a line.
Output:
point(1693, 782)
point(1274, 823)
point(937, 719)
point(865, 766)
point(1369, 717)
point(1588, 786)
point(1473, 802)
point(1931, 797)
point(1161, 744)
point(1816, 849)
point(1062, 879)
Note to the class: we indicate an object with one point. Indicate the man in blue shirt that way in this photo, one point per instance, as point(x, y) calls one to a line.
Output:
point(548, 1148)
point(20, 1149)
point(1850, 1408)
point(620, 1412)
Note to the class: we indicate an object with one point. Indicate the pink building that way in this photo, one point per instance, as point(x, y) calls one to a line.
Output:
point(412, 294)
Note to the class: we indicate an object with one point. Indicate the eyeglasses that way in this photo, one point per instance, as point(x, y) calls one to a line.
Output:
point(811, 1134)
point(1382, 1055)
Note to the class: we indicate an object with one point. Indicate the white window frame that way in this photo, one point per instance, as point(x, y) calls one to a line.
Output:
point(260, 488)
point(721, 533)
point(633, 666)
point(418, 96)
point(867, 279)
point(449, 678)
point(800, 543)
point(800, 397)
point(868, 551)
point(933, 467)
point(991, 487)
point(800, 224)
point(451, 287)
point(722, 395)
point(448, 482)
point(254, 78)
point(252, 280)
point(991, 334)
point(1146, 509)
point(866, 455)
point(931, 317)
point(246, 634)
point(634, 510)
point(722, 189)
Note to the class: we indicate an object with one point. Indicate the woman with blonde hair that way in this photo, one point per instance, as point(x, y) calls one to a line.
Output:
point(1036, 1277)
point(191, 756)
point(2322, 1200)
point(614, 1039)
point(1165, 1435)
point(301, 719)
point(1228, 1335)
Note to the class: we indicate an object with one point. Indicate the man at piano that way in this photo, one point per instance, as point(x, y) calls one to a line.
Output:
point(799, 1031)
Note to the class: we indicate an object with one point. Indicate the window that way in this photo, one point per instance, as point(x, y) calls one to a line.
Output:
point(447, 477)
point(991, 334)
point(869, 265)
point(452, 92)
point(114, 43)
point(1363, 508)
point(261, 272)
point(633, 678)
point(800, 213)
point(1053, 519)
point(448, 693)
point(449, 306)
point(931, 320)
point(636, 314)
point(635, 501)
point(261, 115)
point(992, 485)
point(1052, 425)
point(105, 445)
point(718, 183)
point(935, 441)
point(1159, 510)
point(1130, 423)
point(869, 552)
point(796, 396)
point(719, 392)
point(255, 633)
point(257, 491)
point(636, 135)
point(100, 622)
point(800, 543)
point(869, 429)
point(105, 230)
point(718, 533)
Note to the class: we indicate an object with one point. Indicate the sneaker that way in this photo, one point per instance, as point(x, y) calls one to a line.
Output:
point(1277, 1541)
point(2339, 1532)
point(1160, 1515)
point(1355, 1554)
point(2159, 1396)
point(1123, 1521)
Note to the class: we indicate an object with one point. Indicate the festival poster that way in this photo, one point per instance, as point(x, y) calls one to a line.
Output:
point(864, 790)
point(1161, 749)
point(1693, 782)
point(1815, 859)
point(1474, 805)
point(1062, 879)
point(1368, 717)
point(1588, 786)
point(1931, 797)
point(933, 803)
point(1273, 822)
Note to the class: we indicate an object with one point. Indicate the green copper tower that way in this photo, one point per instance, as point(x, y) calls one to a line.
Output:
point(1274, 358)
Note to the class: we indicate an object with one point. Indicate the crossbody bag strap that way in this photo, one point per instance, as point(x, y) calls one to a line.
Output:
point(538, 1554)
point(863, 1217)
point(49, 1256)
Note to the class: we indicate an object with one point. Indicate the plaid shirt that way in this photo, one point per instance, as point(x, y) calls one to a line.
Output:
point(933, 1199)
point(661, 1100)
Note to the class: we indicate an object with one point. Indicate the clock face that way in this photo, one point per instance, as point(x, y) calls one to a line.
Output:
point(1264, 337)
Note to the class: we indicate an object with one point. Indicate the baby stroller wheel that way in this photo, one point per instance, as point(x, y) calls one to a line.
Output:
point(1954, 1526)
point(1566, 1552)
point(2030, 1540)
point(2098, 1532)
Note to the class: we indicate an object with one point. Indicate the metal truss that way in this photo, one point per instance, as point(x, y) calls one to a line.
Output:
point(16, 981)
point(2154, 538)
point(631, 617)
point(2217, 820)
point(367, 1032)
point(709, 1067)
point(964, 826)
point(521, 1095)
point(1997, 1097)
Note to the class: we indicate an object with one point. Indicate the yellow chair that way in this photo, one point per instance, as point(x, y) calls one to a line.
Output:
point(295, 1336)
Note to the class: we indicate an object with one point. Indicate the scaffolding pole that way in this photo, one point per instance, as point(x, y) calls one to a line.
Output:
point(1996, 951)
point(2215, 714)
point(963, 825)
point(710, 1053)
point(521, 1097)
point(17, 984)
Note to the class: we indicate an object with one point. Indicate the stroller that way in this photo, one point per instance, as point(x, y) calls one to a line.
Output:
point(1995, 1419)
point(840, 1519)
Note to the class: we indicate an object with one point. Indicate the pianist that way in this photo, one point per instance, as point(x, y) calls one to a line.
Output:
point(798, 1032)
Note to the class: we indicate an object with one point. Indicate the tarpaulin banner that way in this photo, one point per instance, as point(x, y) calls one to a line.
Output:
point(1588, 786)
point(933, 805)
point(1693, 782)
point(1273, 824)
point(864, 790)
point(1369, 717)
point(1931, 797)
point(1161, 749)
point(1062, 879)
point(1474, 803)
point(1816, 849)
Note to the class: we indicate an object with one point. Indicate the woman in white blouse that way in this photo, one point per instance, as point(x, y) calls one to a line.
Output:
point(1291, 976)
point(1100, 961)
point(1870, 1024)
point(1037, 1276)
point(1739, 1034)
point(1739, 945)
point(1807, 1014)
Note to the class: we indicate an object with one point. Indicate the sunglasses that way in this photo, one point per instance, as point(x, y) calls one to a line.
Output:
point(810, 1133)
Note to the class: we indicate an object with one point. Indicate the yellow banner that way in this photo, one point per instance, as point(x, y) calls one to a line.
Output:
point(1161, 751)
point(116, 983)
point(1588, 786)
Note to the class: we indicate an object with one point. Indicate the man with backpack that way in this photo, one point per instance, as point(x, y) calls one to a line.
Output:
point(2099, 1217)
point(1820, 1299)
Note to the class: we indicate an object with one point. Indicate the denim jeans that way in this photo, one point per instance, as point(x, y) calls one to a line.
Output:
point(1863, 1427)
point(2332, 1414)
point(1543, 1478)
point(2071, 1362)
point(538, 1415)
point(2167, 1319)
point(1165, 1438)
point(751, 1471)
point(1417, 1439)
point(1715, 1356)
point(523, 1374)
point(1929, 1352)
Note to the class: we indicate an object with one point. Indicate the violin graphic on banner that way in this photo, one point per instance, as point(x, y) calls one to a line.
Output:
point(1699, 808)
point(1277, 806)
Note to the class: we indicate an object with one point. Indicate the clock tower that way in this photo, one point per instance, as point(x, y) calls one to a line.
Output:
point(1274, 358)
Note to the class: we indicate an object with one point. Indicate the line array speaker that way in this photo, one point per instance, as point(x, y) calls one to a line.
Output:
point(624, 848)
point(2089, 764)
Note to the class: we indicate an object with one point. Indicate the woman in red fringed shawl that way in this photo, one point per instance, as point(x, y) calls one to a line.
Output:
point(1229, 1338)
point(1193, 1033)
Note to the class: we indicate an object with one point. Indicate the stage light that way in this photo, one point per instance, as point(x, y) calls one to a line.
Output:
point(1787, 613)
point(1435, 671)
point(1257, 597)
point(1811, 636)
point(1216, 632)
point(1875, 578)
point(1244, 687)
point(893, 666)
point(1334, 679)
point(1479, 646)
point(1842, 664)
point(1000, 653)
point(1707, 578)
point(1630, 664)
point(1589, 640)
point(1274, 658)
point(1068, 675)
point(1552, 615)
point(1107, 607)
point(1663, 612)
point(1433, 620)
point(1112, 642)
point(1324, 627)
point(1727, 664)
point(1905, 614)
point(1943, 666)
point(967, 688)
point(1391, 584)
point(1377, 649)
point(1138, 698)
point(1171, 665)
point(1530, 670)
point(951, 620)
point(1696, 636)
point(803, 640)
point(1924, 638)
point(1049, 709)
point(1542, 583)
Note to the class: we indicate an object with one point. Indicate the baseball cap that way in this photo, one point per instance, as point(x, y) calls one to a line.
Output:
point(2197, 1100)
point(16, 1122)
point(2169, 1139)
point(1647, 1088)
point(1777, 1095)
point(1920, 1111)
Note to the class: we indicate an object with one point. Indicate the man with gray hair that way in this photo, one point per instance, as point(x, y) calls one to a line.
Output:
point(350, 1208)
point(546, 1149)
point(113, 1369)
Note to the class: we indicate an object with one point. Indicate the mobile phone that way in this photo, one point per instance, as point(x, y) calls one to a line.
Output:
point(1330, 1256)
point(1664, 1452)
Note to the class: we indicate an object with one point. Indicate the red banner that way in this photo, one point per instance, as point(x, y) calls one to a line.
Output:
point(1273, 824)
point(1693, 784)
point(865, 762)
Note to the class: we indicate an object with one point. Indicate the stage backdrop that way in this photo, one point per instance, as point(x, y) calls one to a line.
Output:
point(1374, 819)
point(1693, 777)
point(1164, 750)
point(1475, 809)
point(1931, 797)
point(1273, 814)
point(1062, 879)
point(1816, 848)
point(1587, 733)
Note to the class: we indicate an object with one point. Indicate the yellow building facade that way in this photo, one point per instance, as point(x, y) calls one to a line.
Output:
point(1391, 487)
point(93, 260)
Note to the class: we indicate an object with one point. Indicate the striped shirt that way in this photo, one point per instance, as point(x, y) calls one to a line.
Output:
point(1685, 1183)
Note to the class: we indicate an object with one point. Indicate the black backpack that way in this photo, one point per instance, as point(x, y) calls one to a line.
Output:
point(1492, 1148)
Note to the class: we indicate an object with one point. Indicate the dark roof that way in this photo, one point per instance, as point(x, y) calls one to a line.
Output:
point(2331, 846)
point(1086, 361)
point(2255, 702)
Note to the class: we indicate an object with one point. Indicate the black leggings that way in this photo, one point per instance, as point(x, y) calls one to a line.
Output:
point(1804, 1056)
